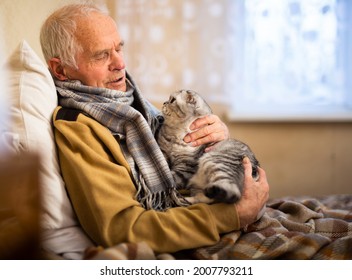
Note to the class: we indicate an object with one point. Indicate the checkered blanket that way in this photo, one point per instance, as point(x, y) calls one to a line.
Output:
point(291, 228)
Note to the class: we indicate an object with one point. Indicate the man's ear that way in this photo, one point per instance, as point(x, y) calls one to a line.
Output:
point(57, 69)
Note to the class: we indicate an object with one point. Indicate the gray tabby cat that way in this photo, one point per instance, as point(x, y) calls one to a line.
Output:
point(215, 176)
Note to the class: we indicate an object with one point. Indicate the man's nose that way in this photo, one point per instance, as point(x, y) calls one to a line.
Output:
point(117, 61)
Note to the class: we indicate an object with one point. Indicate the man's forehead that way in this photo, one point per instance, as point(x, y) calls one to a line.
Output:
point(96, 33)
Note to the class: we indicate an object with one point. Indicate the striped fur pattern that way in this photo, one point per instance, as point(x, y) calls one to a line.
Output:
point(215, 176)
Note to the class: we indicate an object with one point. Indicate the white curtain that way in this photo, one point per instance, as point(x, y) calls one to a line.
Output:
point(173, 44)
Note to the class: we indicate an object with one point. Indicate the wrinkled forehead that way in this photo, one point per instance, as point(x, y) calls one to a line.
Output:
point(95, 29)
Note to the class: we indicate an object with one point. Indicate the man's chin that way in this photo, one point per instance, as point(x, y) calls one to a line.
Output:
point(117, 86)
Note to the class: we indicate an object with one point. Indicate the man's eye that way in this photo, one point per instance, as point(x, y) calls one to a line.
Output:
point(102, 56)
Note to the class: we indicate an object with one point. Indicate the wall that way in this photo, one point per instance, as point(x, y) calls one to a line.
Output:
point(22, 19)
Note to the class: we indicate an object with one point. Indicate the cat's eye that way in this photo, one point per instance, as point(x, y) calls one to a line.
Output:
point(172, 99)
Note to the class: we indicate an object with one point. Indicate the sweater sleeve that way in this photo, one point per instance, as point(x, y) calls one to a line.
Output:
point(99, 184)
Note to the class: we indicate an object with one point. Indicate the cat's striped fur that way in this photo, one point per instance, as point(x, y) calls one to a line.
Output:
point(215, 176)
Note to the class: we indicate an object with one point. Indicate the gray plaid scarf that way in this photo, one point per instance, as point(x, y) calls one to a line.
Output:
point(134, 121)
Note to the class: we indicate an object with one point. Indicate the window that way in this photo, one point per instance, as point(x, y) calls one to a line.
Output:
point(294, 60)
point(266, 59)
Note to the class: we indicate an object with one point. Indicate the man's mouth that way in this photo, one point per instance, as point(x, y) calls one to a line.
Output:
point(117, 84)
point(118, 80)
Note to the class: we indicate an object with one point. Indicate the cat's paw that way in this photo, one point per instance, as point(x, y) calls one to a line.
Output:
point(226, 192)
point(199, 198)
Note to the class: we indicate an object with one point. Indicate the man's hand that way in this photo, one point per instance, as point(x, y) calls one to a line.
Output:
point(206, 130)
point(254, 197)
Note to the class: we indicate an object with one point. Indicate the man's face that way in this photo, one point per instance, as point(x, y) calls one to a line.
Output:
point(100, 64)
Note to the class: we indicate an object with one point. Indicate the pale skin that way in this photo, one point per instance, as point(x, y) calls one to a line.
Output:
point(101, 64)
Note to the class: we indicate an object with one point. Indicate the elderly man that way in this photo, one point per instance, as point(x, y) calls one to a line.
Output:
point(117, 178)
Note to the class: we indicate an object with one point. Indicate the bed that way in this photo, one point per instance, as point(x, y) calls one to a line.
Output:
point(291, 228)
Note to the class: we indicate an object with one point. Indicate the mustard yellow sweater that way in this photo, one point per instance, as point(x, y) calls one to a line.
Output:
point(98, 180)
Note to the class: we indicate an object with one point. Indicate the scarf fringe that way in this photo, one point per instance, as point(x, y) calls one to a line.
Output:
point(159, 201)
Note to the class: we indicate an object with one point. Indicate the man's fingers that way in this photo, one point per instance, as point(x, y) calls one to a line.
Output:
point(203, 121)
point(262, 174)
point(247, 167)
point(207, 130)
point(196, 137)
point(207, 134)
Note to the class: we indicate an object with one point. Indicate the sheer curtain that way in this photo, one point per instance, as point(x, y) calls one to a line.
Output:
point(178, 44)
point(264, 59)
point(295, 60)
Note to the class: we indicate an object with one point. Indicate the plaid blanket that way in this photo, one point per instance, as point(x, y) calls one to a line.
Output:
point(291, 228)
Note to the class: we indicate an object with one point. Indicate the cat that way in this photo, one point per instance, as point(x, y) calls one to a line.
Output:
point(214, 176)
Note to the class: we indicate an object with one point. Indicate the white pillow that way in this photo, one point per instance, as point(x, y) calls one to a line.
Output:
point(32, 97)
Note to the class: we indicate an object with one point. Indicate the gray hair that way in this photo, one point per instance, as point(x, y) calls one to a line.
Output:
point(57, 35)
